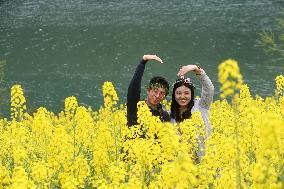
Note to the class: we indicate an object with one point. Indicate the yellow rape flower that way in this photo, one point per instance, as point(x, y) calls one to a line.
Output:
point(81, 148)
point(109, 94)
point(230, 78)
point(20, 179)
point(18, 103)
point(71, 105)
point(41, 174)
point(280, 85)
point(4, 176)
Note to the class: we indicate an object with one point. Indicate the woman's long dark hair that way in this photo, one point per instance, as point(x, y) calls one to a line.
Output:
point(175, 107)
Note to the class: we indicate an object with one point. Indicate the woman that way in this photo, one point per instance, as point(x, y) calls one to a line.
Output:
point(184, 101)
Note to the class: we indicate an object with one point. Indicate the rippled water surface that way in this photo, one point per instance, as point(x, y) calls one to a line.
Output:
point(60, 48)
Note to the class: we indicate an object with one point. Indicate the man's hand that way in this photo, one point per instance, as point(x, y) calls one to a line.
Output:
point(152, 57)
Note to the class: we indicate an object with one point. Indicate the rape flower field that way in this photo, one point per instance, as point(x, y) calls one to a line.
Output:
point(84, 148)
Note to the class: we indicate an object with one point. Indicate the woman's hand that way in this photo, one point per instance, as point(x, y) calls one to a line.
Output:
point(152, 57)
point(185, 69)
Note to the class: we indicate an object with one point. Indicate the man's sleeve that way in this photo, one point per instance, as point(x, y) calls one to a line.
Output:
point(133, 94)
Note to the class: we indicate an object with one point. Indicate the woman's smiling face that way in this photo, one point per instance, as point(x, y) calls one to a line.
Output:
point(182, 96)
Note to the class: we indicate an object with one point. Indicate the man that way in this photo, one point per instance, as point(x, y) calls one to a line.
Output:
point(156, 92)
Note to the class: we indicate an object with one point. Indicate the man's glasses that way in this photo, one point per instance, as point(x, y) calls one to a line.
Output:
point(159, 93)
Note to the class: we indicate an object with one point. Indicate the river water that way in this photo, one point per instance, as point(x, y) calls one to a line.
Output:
point(60, 48)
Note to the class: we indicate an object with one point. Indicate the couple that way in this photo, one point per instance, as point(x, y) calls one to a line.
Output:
point(183, 99)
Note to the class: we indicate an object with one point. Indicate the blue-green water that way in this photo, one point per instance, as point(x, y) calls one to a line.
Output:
point(58, 48)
